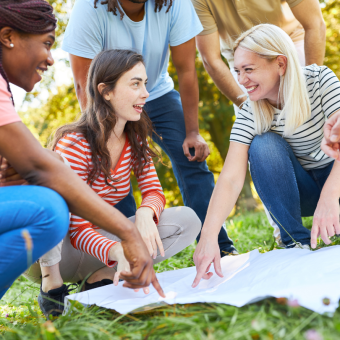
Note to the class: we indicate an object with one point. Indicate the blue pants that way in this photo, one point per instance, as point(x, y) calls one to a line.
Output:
point(194, 179)
point(284, 186)
point(39, 211)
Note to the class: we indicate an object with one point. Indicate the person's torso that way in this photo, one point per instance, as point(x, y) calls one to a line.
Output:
point(306, 140)
point(236, 16)
point(149, 37)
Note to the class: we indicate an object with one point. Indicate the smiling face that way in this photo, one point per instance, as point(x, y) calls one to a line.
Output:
point(28, 59)
point(129, 95)
point(260, 77)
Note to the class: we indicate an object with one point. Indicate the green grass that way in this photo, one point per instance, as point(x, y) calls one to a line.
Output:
point(268, 319)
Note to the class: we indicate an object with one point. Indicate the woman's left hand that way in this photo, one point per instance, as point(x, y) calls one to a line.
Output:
point(8, 175)
point(148, 230)
point(326, 219)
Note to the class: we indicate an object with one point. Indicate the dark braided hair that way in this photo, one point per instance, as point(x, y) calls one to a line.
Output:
point(112, 6)
point(26, 16)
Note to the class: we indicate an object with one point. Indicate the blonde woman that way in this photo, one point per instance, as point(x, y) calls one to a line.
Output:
point(279, 131)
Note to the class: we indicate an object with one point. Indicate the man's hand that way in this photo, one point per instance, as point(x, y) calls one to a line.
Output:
point(326, 219)
point(141, 272)
point(8, 175)
point(207, 251)
point(330, 144)
point(148, 230)
point(117, 254)
point(196, 141)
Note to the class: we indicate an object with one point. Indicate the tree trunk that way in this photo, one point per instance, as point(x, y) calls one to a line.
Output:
point(220, 137)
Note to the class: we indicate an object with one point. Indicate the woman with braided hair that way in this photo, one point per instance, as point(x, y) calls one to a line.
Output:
point(34, 218)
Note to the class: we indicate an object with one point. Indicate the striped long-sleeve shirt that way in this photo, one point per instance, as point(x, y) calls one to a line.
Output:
point(324, 94)
point(77, 154)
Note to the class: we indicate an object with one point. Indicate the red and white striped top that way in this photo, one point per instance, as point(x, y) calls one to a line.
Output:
point(77, 153)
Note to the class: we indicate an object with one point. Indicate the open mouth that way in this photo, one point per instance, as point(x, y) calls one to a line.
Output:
point(40, 71)
point(138, 108)
point(252, 89)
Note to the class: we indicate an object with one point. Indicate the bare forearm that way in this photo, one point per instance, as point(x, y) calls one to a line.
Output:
point(188, 87)
point(224, 80)
point(40, 167)
point(221, 204)
point(332, 185)
point(315, 43)
point(81, 95)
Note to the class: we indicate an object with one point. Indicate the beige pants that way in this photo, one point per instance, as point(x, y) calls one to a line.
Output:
point(178, 228)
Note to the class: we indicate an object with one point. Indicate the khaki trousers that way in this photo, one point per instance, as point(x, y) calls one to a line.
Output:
point(178, 228)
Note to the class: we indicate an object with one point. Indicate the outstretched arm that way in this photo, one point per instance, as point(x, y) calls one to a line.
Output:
point(315, 30)
point(223, 199)
point(326, 216)
point(39, 167)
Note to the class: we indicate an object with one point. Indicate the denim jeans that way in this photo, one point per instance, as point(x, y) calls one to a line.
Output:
point(194, 179)
point(39, 211)
point(287, 190)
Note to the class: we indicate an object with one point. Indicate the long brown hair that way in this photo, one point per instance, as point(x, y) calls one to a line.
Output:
point(99, 119)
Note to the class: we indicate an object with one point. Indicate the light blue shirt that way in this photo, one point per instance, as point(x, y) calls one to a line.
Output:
point(91, 31)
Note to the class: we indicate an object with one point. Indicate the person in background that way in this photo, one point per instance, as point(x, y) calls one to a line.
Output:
point(279, 130)
point(108, 142)
point(34, 218)
point(149, 28)
point(224, 20)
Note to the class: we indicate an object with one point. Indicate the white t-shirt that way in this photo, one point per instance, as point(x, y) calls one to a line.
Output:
point(324, 94)
point(91, 31)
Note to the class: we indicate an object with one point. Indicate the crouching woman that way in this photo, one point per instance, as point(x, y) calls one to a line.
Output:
point(103, 147)
point(279, 131)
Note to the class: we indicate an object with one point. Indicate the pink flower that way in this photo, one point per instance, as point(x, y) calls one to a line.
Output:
point(312, 334)
point(293, 303)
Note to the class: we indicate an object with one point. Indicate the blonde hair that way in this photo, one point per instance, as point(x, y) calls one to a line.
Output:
point(269, 42)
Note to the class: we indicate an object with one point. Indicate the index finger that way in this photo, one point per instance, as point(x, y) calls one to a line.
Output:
point(186, 151)
point(157, 286)
point(199, 153)
point(200, 273)
point(314, 235)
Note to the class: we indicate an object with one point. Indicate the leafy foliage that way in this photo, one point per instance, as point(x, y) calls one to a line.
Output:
point(268, 319)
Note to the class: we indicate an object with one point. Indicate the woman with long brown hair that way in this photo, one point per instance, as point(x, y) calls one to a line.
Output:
point(103, 147)
point(34, 218)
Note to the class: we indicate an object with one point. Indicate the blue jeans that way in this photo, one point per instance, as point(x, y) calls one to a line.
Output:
point(194, 179)
point(39, 211)
point(286, 189)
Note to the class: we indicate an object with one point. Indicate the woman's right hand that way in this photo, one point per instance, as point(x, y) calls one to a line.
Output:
point(206, 253)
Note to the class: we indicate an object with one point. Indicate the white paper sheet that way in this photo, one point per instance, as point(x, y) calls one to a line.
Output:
point(297, 274)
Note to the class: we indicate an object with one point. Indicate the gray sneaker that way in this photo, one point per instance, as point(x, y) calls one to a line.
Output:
point(300, 246)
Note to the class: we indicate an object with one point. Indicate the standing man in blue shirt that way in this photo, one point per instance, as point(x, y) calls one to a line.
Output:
point(149, 27)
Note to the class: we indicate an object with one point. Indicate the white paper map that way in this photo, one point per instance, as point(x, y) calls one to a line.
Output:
point(297, 274)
